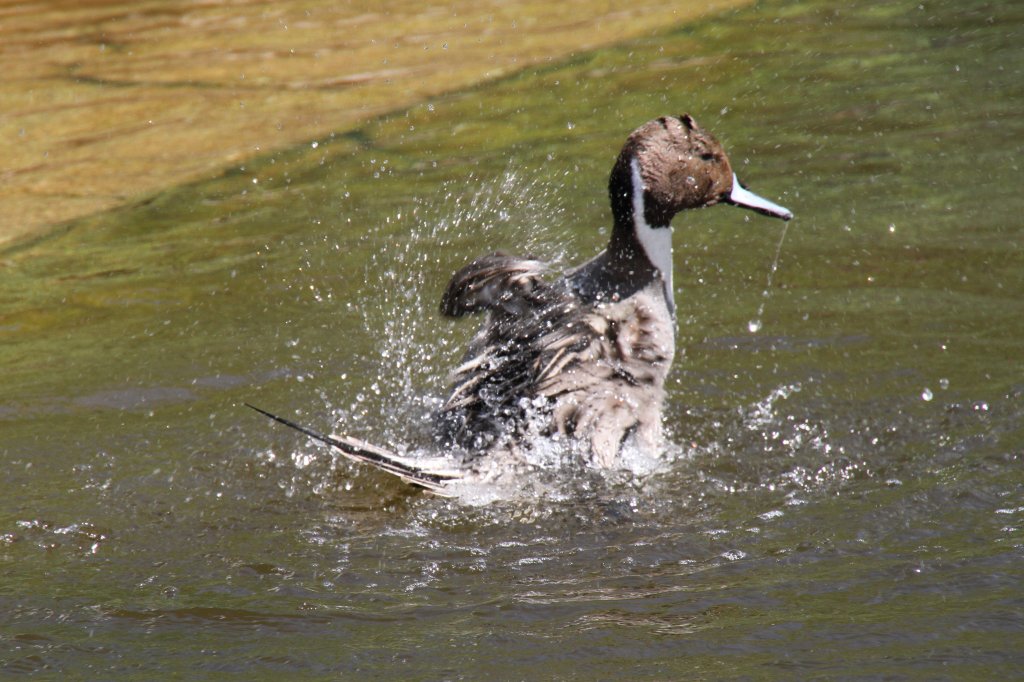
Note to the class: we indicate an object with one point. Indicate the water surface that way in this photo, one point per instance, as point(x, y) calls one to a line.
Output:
point(844, 495)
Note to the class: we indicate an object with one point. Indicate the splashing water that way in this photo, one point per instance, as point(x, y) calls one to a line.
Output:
point(754, 325)
point(763, 413)
point(414, 347)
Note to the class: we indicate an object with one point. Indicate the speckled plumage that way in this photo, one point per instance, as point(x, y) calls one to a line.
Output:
point(584, 357)
point(580, 357)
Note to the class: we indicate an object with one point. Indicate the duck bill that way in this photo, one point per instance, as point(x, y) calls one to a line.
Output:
point(741, 196)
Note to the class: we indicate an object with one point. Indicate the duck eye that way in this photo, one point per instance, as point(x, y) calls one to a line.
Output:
point(707, 156)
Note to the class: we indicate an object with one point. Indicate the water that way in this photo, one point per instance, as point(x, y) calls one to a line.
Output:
point(819, 517)
point(755, 324)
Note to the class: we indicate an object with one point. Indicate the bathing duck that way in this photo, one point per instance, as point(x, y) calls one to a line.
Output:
point(581, 358)
point(584, 357)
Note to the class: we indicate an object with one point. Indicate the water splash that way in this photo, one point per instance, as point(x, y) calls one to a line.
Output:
point(762, 415)
point(755, 325)
point(404, 373)
point(414, 347)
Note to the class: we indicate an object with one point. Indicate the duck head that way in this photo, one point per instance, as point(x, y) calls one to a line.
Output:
point(671, 164)
point(668, 165)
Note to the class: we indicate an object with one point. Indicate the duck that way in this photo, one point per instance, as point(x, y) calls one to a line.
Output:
point(580, 358)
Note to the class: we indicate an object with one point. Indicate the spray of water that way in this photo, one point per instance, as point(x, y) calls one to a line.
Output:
point(421, 248)
point(413, 346)
point(754, 325)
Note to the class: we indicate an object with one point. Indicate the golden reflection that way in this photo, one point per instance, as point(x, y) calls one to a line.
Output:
point(108, 100)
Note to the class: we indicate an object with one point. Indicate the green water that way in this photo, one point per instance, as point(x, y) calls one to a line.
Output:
point(847, 496)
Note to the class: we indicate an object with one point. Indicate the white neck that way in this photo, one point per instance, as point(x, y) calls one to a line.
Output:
point(656, 241)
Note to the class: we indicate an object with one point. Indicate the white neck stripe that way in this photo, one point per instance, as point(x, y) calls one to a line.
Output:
point(655, 241)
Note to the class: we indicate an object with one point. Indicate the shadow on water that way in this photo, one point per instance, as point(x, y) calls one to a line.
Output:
point(846, 496)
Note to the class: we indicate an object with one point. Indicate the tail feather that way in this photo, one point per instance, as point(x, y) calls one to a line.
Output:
point(405, 468)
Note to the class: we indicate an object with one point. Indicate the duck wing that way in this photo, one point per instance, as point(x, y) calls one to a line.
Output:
point(548, 361)
point(534, 329)
point(497, 282)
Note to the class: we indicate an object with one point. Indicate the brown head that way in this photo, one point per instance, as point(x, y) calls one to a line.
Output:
point(680, 165)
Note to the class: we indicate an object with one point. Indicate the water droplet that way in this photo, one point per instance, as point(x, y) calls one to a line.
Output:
point(892, 228)
point(754, 326)
point(927, 394)
point(943, 383)
point(570, 125)
point(314, 144)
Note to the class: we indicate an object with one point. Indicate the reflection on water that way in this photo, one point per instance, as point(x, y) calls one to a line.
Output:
point(821, 516)
point(107, 101)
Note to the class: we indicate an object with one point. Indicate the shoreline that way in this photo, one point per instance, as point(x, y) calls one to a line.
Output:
point(110, 103)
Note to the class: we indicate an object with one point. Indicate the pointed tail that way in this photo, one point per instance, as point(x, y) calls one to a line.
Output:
point(379, 458)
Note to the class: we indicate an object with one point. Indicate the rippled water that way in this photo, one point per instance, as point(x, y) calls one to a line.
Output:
point(844, 494)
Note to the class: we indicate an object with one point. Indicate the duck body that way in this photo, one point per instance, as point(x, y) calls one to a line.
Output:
point(560, 359)
point(583, 357)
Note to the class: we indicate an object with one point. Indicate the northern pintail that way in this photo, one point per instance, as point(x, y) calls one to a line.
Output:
point(581, 358)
